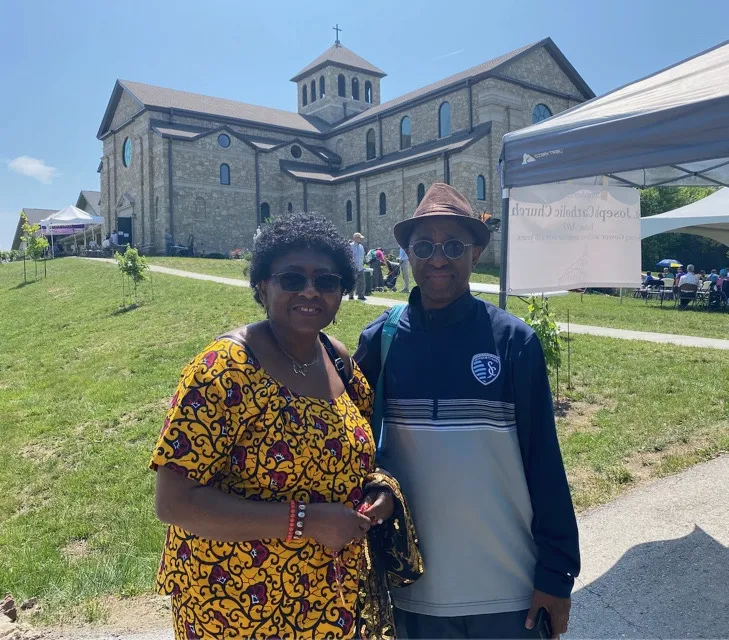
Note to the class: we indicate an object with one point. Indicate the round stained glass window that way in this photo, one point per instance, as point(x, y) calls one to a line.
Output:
point(224, 140)
point(127, 152)
point(296, 151)
point(541, 112)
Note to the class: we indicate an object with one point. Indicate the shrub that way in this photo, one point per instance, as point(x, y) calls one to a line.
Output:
point(541, 319)
point(133, 266)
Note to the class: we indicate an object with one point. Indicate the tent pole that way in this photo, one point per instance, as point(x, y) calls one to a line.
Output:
point(504, 247)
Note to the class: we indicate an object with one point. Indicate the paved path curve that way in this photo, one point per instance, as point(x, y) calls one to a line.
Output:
point(621, 334)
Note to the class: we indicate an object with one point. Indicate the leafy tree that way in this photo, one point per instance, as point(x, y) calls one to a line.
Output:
point(688, 249)
point(132, 266)
point(542, 320)
point(35, 245)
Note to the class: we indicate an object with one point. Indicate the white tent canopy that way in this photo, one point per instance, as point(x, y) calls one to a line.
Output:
point(70, 216)
point(708, 217)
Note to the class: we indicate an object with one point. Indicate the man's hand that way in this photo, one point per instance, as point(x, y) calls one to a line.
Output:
point(558, 608)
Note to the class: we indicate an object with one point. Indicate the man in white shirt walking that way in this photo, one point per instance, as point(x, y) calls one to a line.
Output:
point(358, 254)
point(404, 263)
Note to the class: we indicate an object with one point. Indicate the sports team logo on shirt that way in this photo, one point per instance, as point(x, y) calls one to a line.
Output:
point(486, 367)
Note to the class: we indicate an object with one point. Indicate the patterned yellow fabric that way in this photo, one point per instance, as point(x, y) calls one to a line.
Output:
point(232, 426)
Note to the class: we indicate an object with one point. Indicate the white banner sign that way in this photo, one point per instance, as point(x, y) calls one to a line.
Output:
point(567, 236)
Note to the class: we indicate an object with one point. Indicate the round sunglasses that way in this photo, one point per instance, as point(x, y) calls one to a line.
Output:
point(293, 282)
point(452, 249)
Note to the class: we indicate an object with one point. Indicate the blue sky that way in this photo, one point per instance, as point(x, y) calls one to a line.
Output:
point(60, 60)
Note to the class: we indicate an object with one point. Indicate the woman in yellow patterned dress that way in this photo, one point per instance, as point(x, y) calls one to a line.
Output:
point(264, 455)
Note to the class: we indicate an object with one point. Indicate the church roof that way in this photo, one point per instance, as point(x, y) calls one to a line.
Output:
point(93, 198)
point(160, 98)
point(488, 68)
point(341, 57)
point(418, 153)
point(34, 217)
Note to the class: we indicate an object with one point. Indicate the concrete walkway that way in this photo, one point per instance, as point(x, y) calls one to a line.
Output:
point(655, 562)
point(606, 332)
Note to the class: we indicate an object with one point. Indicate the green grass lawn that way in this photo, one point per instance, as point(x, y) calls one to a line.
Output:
point(225, 268)
point(591, 309)
point(83, 390)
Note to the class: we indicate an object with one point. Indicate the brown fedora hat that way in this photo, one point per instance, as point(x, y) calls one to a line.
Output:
point(443, 201)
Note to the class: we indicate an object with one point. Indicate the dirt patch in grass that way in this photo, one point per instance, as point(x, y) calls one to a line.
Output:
point(108, 617)
point(75, 550)
point(577, 416)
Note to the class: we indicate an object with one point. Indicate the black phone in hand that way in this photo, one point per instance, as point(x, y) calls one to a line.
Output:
point(544, 623)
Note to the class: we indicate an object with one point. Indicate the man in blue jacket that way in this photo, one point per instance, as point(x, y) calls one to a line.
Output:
point(469, 432)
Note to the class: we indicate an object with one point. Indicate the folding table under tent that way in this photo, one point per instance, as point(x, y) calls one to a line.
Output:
point(668, 129)
point(70, 216)
point(708, 217)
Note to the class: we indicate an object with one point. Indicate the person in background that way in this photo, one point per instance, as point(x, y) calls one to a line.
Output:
point(690, 277)
point(404, 264)
point(115, 238)
point(358, 254)
point(702, 275)
point(168, 242)
point(106, 243)
point(667, 273)
point(469, 432)
point(713, 276)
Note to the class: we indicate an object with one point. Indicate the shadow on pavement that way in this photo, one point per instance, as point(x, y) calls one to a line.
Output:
point(665, 589)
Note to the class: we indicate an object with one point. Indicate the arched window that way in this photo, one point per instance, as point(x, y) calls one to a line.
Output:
point(405, 133)
point(304, 93)
point(421, 192)
point(313, 90)
point(322, 87)
point(480, 188)
point(265, 212)
point(355, 89)
point(224, 174)
point(444, 120)
point(371, 147)
point(383, 204)
point(541, 112)
point(341, 86)
point(368, 92)
point(349, 211)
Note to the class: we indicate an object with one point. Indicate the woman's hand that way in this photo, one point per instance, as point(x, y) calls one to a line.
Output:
point(378, 505)
point(335, 525)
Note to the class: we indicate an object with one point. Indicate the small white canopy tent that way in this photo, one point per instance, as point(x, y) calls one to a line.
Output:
point(708, 217)
point(68, 217)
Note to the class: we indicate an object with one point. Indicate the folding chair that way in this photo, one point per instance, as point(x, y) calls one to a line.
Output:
point(702, 295)
point(666, 290)
point(687, 293)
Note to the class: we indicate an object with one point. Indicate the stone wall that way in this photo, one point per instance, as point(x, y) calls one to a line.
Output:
point(126, 109)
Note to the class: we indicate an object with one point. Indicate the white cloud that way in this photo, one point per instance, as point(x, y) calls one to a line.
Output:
point(448, 55)
point(33, 168)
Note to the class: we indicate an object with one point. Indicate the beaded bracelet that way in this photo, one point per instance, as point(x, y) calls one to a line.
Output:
point(297, 513)
point(292, 521)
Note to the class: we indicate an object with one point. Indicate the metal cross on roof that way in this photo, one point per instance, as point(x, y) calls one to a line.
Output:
point(337, 29)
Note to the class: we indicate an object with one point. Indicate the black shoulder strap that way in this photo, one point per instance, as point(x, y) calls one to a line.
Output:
point(337, 362)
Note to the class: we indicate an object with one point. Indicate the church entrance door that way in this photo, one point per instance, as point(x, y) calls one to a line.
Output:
point(124, 230)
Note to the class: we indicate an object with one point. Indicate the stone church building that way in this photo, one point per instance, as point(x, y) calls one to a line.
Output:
point(216, 168)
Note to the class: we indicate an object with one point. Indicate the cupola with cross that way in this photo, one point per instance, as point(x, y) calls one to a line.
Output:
point(338, 84)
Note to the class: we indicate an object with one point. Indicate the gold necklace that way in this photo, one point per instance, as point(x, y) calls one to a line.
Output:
point(300, 369)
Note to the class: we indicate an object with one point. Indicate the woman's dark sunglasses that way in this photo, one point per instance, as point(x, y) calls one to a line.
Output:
point(452, 249)
point(293, 282)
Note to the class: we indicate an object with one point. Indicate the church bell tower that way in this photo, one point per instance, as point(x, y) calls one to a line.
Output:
point(337, 85)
